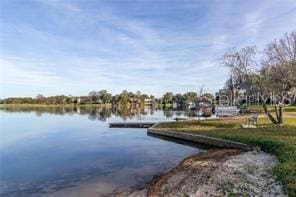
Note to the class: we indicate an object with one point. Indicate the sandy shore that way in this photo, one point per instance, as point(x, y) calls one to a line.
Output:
point(215, 173)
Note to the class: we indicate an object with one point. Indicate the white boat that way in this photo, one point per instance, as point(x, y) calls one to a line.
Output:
point(227, 111)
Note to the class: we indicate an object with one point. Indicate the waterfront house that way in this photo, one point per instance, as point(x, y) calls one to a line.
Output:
point(149, 101)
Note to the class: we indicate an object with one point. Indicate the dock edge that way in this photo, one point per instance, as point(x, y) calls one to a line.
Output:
point(199, 139)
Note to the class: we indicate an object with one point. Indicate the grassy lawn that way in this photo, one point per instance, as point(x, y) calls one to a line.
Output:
point(258, 108)
point(272, 139)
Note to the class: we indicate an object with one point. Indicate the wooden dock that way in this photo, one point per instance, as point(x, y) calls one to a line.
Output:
point(131, 124)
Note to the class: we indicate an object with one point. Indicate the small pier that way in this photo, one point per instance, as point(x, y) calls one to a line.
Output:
point(131, 124)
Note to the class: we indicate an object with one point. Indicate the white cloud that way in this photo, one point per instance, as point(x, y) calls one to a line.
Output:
point(108, 47)
point(14, 74)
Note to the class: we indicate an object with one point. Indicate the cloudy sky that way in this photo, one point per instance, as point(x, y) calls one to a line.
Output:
point(72, 47)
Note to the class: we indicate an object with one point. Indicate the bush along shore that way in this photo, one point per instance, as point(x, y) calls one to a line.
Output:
point(280, 142)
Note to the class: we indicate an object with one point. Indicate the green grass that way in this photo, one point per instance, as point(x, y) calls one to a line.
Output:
point(291, 108)
point(259, 108)
point(272, 139)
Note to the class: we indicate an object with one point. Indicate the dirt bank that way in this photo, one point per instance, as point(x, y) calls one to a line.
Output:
point(216, 173)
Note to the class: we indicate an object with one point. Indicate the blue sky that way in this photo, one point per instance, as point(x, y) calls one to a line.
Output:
point(72, 47)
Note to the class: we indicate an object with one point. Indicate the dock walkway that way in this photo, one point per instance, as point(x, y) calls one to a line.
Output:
point(131, 124)
point(190, 137)
point(200, 139)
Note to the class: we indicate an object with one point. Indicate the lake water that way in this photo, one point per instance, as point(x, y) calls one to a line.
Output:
point(72, 152)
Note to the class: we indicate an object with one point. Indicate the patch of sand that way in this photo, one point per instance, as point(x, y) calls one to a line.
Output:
point(216, 173)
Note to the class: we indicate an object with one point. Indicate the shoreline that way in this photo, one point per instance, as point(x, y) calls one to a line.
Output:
point(215, 173)
point(56, 105)
point(271, 139)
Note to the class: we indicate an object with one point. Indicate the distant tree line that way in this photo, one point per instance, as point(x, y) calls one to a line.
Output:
point(104, 97)
point(185, 99)
point(94, 97)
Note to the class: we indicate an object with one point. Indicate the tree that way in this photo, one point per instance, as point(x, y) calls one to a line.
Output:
point(241, 64)
point(40, 99)
point(277, 73)
point(178, 98)
point(138, 93)
point(151, 97)
point(104, 96)
point(123, 97)
point(144, 96)
point(190, 97)
point(167, 98)
point(243, 77)
point(279, 61)
point(209, 96)
point(93, 96)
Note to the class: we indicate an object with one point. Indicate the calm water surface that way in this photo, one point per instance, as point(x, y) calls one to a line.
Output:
point(72, 152)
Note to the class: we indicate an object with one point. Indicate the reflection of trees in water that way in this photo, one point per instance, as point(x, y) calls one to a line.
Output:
point(38, 110)
point(128, 113)
point(190, 113)
point(179, 113)
point(168, 113)
point(93, 113)
point(97, 113)
point(101, 114)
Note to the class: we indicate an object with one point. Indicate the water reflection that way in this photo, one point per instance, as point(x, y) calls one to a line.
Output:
point(102, 113)
point(61, 151)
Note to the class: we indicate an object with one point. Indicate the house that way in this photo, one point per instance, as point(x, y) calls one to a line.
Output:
point(149, 101)
point(175, 105)
point(83, 100)
point(192, 105)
